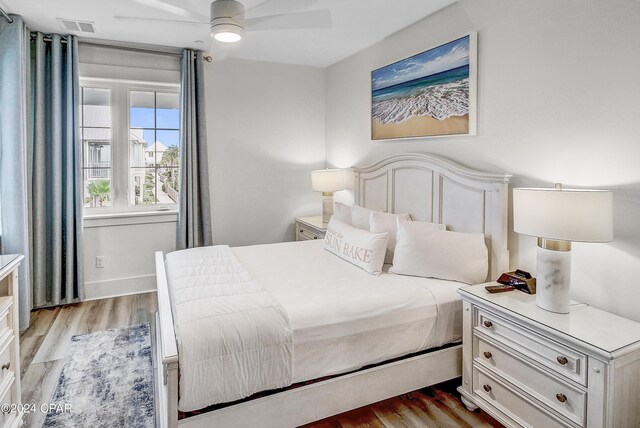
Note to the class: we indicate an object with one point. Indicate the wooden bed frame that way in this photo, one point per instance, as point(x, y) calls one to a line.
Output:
point(428, 187)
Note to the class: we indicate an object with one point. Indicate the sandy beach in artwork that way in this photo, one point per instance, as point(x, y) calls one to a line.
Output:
point(421, 109)
point(418, 126)
point(426, 95)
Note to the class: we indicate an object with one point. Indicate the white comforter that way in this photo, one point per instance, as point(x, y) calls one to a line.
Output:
point(234, 339)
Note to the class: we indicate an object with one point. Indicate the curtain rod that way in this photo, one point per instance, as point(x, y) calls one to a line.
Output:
point(158, 51)
point(206, 58)
point(3, 13)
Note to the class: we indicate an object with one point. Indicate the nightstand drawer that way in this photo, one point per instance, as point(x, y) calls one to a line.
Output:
point(515, 405)
point(557, 357)
point(305, 232)
point(555, 392)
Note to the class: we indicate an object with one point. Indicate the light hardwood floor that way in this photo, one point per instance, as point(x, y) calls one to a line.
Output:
point(438, 406)
point(44, 345)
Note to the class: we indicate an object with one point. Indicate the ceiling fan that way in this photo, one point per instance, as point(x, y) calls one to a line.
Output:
point(229, 20)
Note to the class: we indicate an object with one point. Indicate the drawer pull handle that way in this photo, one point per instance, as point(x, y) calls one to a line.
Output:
point(6, 366)
point(487, 388)
point(562, 360)
point(301, 230)
point(315, 237)
point(488, 324)
point(487, 354)
point(561, 397)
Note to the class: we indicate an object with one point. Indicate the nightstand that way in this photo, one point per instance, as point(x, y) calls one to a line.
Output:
point(310, 228)
point(531, 368)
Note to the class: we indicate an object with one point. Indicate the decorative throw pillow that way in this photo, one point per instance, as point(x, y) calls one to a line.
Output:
point(360, 217)
point(342, 212)
point(359, 247)
point(423, 250)
point(385, 222)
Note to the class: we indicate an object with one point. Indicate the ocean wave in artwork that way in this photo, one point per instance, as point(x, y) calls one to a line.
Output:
point(438, 101)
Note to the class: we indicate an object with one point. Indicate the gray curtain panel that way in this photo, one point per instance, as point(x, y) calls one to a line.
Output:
point(14, 211)
point(55, 170)
point(194, 219)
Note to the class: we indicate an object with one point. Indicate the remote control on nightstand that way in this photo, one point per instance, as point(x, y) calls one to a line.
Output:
point(499, 288)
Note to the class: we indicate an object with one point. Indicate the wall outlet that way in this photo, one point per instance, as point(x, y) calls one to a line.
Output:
point(99, 262)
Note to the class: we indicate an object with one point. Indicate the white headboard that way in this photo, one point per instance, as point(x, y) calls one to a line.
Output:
point(432, 188)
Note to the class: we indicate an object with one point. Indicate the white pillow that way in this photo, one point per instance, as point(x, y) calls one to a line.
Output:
point(422, 250)
point(360, 217)
point(359, 247)
point(385, 222)
point(342, 212)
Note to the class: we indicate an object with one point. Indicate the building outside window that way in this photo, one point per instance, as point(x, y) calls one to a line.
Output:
point(95, 132)
point(130, 144)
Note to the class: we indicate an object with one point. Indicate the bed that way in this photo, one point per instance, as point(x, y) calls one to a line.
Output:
point(343, 319)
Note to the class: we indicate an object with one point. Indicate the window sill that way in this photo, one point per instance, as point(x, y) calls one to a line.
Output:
point(129, 218)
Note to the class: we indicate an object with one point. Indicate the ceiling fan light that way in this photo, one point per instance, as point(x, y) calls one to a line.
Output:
point(227, 33)
point(227, 37)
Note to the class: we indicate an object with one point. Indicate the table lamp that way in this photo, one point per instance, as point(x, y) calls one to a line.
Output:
point(557, 217)
point(328, 181)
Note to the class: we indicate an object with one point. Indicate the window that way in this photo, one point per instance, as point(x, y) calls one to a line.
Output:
point(130, 144)
point(95, 133)
point(154, 136)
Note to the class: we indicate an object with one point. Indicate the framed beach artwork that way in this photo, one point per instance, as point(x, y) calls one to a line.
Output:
point(431, 94)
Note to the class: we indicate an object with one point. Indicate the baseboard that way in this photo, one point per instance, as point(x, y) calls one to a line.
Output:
point(95, 290)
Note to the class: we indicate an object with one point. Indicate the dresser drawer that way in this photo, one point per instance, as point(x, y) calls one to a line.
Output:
point(8, 419)
point(4, 321)
point(6, 340)
point(5, 360)
point(554, 391)
point(515, 405)
point(557, 357)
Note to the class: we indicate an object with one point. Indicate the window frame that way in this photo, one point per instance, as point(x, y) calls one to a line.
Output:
point(120, 99)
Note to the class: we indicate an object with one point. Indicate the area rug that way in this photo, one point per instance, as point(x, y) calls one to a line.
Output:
point(106, 381)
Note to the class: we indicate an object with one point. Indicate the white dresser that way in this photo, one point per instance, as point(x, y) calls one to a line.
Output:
point(10, 394)
point(529, 367)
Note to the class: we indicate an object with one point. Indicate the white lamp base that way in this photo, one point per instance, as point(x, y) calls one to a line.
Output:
point(554, 278)
point(327, 206)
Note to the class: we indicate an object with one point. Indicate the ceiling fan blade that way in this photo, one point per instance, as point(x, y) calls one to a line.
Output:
point(173, 9)
point(275, 7)
point(140, 18)
point(293, 21)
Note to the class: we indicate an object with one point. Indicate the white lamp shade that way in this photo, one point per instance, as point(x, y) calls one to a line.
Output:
point(328, 180)
point(567, 214)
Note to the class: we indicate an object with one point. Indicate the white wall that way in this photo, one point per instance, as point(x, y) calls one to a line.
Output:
point(558, 102)
point(127, 244)
point(265, 125)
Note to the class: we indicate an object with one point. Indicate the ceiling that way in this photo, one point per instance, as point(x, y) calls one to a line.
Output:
point(356, 24)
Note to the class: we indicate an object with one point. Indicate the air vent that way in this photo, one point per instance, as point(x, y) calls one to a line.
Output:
point(75, 25)
point(69, 25)
point(86, 27)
